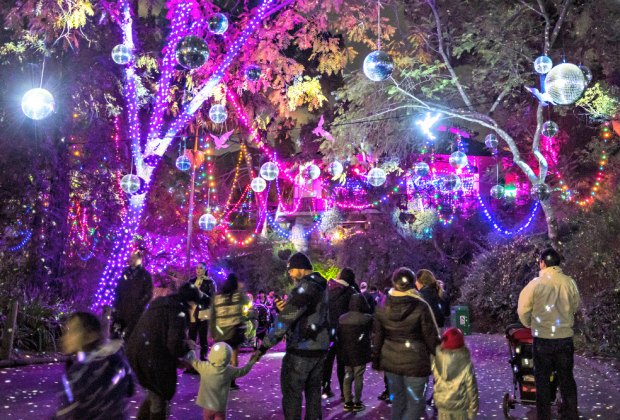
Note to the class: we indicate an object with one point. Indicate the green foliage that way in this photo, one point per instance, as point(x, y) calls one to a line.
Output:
point(601, 100)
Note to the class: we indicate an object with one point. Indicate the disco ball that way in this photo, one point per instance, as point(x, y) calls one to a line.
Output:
point(458, 160)
point(130, 183)
point(490, 141)
point(550, 129)
point(312, 172)
point(218, 114)
point(253, 72)
point(269, 171)
point(378, 66)
point(258, 184)
point(335, 168)
point(376, 177)
point(218, 23)
point(498, 191)
point(192, 52)
point(587, 74)
point(207, 221)
point(540, 192)
point(38, 103)
point(183, 163)
point(143, 187)
point(121, 54)
point(450, 182)
point(421, 169)
point(565, 83)
point(543, 64)
point(151, 160)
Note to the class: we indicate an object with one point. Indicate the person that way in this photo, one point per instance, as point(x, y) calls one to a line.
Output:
point(455, 389)
point(405, 336)
point(432, 292)
point(229, 323)
point(263, 317)
point(340, 291)
point(158, 342)
point(548, 305)
point(98, 380)
point(199, 318)
point(216, 375)
point(370, 304)
point(304, 321)
point(133, 292)
point(354, 329)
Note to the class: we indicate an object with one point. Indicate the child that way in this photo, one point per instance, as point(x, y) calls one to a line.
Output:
point(215, 378)
point(456, 390)
point(354, 347)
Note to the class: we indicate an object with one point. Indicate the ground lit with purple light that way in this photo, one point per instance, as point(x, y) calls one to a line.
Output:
point(30, 392)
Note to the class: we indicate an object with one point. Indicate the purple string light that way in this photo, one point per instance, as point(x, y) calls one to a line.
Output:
point(502, 230)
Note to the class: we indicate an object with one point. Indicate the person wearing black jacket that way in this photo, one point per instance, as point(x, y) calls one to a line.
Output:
point(432, 293)
point(405, 336)
point(199, 321)
point(304, 321)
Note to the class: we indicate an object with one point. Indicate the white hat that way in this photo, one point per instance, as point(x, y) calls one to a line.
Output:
point(363, 286)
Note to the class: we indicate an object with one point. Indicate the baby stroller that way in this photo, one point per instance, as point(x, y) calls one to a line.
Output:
point(520, 347)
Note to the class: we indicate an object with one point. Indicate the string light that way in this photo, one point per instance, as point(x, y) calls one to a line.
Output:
point(27, 234)
point(503, 230)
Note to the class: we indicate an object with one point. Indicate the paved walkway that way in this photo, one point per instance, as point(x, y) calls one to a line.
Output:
point(30, 392)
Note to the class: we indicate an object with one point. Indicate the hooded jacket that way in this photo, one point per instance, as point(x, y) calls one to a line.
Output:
point(455, 388)
point(157, 342)
point(354, 329)
point(340, 293)
point(405, 335)
point(304, 319)
point(216, 375)
point(133, 292)
point(97, 385)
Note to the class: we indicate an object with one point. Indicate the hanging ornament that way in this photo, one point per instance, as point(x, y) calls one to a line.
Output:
point(378, 66)
point(183, 163)
point(540, 192)
point(335, 169)
point(421, 169)
point(458, 160)
point(218, 114)
point(587, 74)
point(550, 129)
point(422, 183)
point(151, 160)
point(121, 54)
point(192, 52)
point(143, 187)
point(207, 222)
point(253, 72)
point(543, 64)
point(498, 191)
point(450, 182)
point(312, 172)
point(218, 23)
point(38, 104)
point(269, 171)
point(130, 183)
point(490, 141)
point(258, 184)
point(376, 177)
point(565, 83)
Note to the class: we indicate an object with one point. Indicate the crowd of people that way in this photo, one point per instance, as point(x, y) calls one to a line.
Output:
point(323, 322)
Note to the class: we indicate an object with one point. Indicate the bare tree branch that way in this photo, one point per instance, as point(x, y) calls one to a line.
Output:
point(499, 99)
point(558, 24)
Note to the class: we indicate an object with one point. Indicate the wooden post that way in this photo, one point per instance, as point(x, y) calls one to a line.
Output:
point(6, 347)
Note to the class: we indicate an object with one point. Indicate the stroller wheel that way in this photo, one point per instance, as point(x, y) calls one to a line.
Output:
point(506, 405)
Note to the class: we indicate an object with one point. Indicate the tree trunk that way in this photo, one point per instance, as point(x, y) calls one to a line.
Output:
point(552, 222)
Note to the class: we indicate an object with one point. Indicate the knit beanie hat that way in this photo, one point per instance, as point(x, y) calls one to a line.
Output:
point(347, 275)
point(299, 260)
point(220, 354)
point(403, 279)
point(452, 339)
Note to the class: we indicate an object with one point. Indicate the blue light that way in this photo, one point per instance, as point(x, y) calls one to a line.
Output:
point(502, 230)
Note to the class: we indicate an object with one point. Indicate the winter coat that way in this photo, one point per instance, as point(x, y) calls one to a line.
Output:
point(431, 296)
point(339, 297)
point(304, 319)
point(227, 319)
point(370, 303)
point(263, 317)
point(134, 290)
point(158, 341)
point(354, 333)
point(404, 335)
point(455, 389)
point(208, 289)
point(97, 385)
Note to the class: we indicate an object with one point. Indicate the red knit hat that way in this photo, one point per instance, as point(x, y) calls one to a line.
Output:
point(452, 339)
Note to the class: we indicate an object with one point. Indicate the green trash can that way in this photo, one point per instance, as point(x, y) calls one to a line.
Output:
point(459, 318)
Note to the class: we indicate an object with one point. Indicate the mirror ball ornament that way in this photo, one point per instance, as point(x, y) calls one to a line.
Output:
point(458, 160)
point(565, 83)
point(38, 103)
point(498, 191)
point(207, 222)
point(151, 160)
point(378, 66)
point(218, 114)
point(312, 172)
point(253, 72)
point(587, 74)
point(258, 184)
point(269, 171)
point(376, 177)
point(450, 182)
point(335, 168)
point(218, 23)
point(550, 129)
point(490, 141)
point(541, 192)
point(543, 64)
point(130, 183)
point(183, 163)
point(192, 52)
point(121, 54)
point(421, 169)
